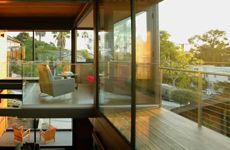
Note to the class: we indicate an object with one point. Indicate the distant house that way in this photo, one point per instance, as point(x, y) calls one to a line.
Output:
point(213, 69)
point(14, 50)
point(3, 54)
point(10, 50)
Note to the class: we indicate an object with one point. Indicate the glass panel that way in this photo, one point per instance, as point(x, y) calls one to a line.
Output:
point(147, 72)
point(3, 54)
point(85, 50)
point(72, 84)
point(16, 48)
point(53, 46)
point(63, 128)
point(40, 131)
point(115, 64)
point(12, 126)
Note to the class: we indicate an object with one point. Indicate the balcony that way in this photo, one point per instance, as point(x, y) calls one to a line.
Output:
point(158, 128)
point(191, 117)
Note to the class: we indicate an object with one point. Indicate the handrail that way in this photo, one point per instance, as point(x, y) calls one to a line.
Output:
point(203, 111)
point(192, 71)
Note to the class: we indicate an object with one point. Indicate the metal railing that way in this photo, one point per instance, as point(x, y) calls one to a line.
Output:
point(212, 103)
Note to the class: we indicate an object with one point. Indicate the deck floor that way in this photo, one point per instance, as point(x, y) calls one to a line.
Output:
point(160, 129)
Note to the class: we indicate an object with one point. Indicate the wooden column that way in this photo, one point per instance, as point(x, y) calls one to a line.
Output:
point(82, 134)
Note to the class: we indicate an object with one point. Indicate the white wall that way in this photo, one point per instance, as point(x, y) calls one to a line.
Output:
point(3, 54)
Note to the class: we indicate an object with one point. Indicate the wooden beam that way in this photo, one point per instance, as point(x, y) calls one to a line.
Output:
point(82, 111)
point(43, 1)
point(36, 23)
point(86, 9)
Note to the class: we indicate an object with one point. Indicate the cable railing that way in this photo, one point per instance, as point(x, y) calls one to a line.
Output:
point(209, 103)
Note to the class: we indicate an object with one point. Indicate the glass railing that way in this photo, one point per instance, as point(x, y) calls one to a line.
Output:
point(10, 84)
point(199, 96)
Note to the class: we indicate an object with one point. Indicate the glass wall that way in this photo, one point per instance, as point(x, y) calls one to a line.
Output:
point(147, 71)
point(85, 61)
point(22, 53)
point(52, 46)
point(115, 64)
point(16, 48)
point(85, 49)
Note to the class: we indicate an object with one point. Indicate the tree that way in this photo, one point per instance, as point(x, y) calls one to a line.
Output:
point(212, 47)
point(173, 56)
point(23, 36)
point(61, 37)
point(40, 35)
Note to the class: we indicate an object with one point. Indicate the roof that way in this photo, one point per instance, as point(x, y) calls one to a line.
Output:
point(13, 39)
point(41, 14)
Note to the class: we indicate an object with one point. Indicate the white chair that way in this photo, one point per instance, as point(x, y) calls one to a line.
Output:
point(51, 86)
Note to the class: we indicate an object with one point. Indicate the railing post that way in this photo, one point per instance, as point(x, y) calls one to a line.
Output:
point(199, 100)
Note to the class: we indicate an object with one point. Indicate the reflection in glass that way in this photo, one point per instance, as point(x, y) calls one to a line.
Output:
point(85, 50)
point(147, 72)
point(115, 64)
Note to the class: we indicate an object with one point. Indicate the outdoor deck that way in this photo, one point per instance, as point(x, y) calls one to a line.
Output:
point(161, 129)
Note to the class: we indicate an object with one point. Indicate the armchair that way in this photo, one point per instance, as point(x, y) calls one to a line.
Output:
point(52, 86)
point(20, 134)
point(48, 135)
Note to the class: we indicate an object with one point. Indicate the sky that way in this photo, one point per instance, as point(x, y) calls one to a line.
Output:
point(186, 18)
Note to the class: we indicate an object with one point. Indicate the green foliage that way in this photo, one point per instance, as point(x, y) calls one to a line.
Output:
point(183, 96)
point(212, 47)
point(223, 85)
point(61, 37)
point(23, 36)
point(173, 56)
point(43, 50)
point(29, 70)
point(85, 54)
point(16, 68)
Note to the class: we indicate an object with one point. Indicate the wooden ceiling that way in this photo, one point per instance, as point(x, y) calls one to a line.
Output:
point(40, 9)
point(40, 12)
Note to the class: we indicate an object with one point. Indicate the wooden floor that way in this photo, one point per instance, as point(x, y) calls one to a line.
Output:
point(160, 129)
